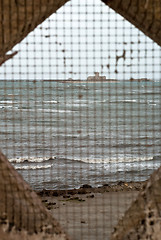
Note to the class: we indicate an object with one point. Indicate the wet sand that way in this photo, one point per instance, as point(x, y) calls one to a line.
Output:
point(90, 213)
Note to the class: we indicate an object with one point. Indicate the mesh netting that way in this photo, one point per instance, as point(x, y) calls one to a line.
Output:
point(80, 118)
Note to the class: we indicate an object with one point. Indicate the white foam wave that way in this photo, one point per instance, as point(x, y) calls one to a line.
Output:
point(1, 107)
point(153, 103)
point(30, 167)
point(124, 101)
point(52, 101)
point(31, 159)
point(91, 160)
point(7, 101)
point(128, 100)
point(115, 159)
point(53, 110)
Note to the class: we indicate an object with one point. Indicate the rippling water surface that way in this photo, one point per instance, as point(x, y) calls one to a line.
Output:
point(62, 135)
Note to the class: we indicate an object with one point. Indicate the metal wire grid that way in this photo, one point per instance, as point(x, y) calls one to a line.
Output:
point(80, 39)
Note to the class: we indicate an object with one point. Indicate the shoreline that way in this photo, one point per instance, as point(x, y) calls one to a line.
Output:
point(85, 189)
point(90, 213)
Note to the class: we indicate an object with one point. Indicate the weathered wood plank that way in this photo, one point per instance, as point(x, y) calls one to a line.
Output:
point(22, 213)
point(20, 17)
point(143, 219)
point(144, 14)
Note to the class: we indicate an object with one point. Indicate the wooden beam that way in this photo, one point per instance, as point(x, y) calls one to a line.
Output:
point(144, 14)
point(19, 17)
point(22, 213)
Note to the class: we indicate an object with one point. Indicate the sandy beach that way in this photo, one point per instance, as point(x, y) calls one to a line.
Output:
point(90, 213)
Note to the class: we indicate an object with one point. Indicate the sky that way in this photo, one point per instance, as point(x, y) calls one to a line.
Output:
point(84, 37)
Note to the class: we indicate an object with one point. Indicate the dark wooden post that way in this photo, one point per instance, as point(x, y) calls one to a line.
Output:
point(22, 214)
point(144, 14)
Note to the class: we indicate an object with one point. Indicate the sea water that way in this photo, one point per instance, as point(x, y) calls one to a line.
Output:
point(64, 134)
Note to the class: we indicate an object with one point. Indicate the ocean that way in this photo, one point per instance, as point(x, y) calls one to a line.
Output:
point(63, 135)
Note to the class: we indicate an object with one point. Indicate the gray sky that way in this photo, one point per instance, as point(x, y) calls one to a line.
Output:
point(80, 39)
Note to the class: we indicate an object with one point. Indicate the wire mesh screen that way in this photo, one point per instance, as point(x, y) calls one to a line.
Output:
point(80, 111)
